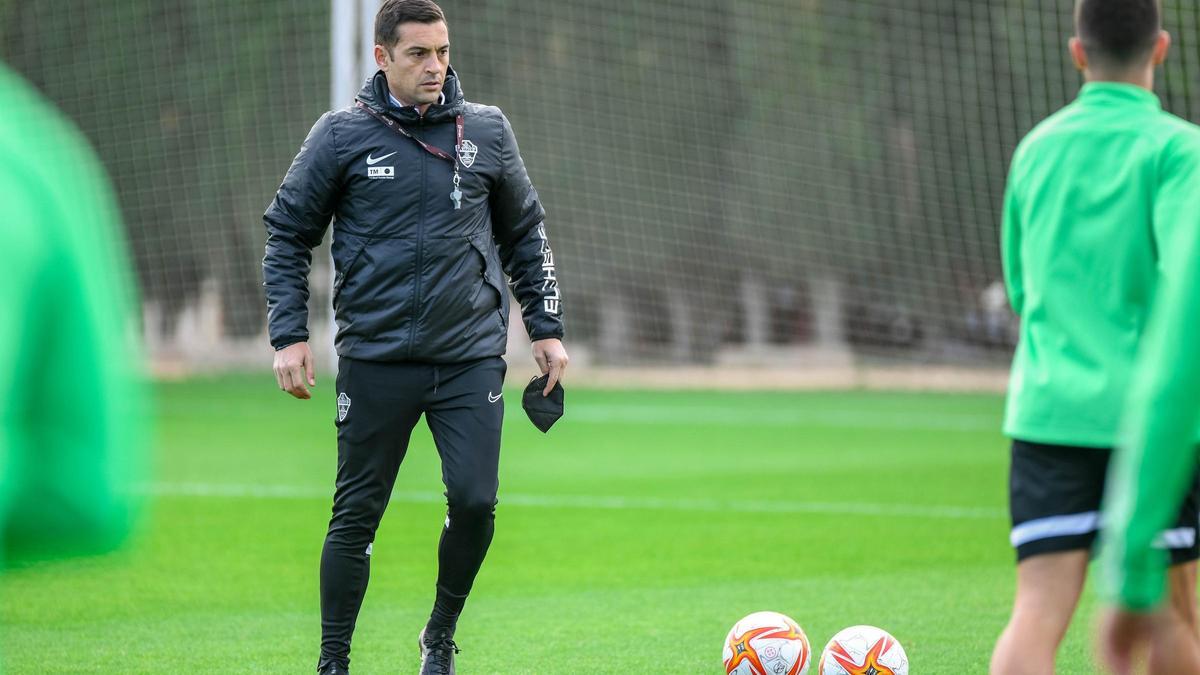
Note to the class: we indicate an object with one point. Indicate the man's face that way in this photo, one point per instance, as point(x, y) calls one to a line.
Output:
point(416, 66)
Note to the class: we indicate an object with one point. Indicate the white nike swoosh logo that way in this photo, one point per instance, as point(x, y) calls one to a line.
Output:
point(493, 399)
point(375, 160)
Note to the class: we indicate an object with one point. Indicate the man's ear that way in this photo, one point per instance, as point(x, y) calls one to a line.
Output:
point(382, 56)
point(1162, 46)
point(1078, 53)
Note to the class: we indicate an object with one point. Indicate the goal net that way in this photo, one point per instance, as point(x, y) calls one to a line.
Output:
point(785, 183)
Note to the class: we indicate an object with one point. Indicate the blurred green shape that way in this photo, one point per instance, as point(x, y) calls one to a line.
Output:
point(73, 414)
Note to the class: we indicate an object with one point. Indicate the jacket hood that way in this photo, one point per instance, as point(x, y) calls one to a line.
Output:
point(375, 94)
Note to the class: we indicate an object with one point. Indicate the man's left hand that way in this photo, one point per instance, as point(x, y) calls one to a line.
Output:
point(552, 358)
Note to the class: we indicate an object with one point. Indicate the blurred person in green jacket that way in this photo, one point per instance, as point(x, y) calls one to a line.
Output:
point(1157, 449)
point(72, 402)
point(1101, 199)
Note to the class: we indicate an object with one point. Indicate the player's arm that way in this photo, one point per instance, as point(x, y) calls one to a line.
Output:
point(1156, 459)
point(518, 222)
point(296, 222)
point(1010, 246)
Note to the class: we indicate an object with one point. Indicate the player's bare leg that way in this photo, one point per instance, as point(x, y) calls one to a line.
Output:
point(1182, 589)
point(1048, 589)
point(1175, 647)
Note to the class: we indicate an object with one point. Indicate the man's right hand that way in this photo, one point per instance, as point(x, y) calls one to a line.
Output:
point(294, 367)
point(1121, 637)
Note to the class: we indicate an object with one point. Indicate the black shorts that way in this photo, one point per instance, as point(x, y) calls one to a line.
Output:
point(1054, 494)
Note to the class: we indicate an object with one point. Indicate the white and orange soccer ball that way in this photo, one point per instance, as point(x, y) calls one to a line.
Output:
point(766, 643)
point(863, 650)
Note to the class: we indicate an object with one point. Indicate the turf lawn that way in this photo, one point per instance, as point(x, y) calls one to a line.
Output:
point(628, 540)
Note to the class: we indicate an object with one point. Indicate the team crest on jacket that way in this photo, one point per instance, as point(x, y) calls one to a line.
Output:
point(343, 403)
point(467, 152)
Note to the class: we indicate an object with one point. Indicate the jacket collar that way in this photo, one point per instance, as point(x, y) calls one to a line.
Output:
point(1118, 93)
point(375, 95)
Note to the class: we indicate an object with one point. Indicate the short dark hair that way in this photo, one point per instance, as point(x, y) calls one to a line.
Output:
point(396, 12)
point(1118, 33)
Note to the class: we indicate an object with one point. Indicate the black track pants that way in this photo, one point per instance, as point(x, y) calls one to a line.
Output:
point(379, 403)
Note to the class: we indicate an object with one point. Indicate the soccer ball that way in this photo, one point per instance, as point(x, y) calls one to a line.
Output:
point(766, 643)
point(863, 650)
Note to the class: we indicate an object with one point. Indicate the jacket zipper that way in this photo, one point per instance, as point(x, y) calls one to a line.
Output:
point(412, 331)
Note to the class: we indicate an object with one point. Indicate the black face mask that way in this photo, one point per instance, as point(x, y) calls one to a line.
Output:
point(543, 411)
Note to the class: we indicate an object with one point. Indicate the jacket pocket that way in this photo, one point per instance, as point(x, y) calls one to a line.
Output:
point(492, 277)
point(351, 256)
point(375, 299)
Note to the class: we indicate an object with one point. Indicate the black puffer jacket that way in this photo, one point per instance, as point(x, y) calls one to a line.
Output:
point(415, 279)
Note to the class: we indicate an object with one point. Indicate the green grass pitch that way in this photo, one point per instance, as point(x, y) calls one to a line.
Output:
point(628, 540)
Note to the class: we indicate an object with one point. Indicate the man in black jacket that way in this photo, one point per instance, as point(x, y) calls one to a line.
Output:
point(431, 207)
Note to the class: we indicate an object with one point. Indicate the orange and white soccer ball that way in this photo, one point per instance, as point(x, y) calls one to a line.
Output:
point(863, 650)
point(766, 643)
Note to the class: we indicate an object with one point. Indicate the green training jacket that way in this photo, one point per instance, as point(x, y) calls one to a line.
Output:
point(1156, 454)
point(72, 403)
point(1091, 211)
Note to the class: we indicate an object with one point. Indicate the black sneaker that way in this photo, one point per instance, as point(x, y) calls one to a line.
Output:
point(437, 652)
point(332, 669)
